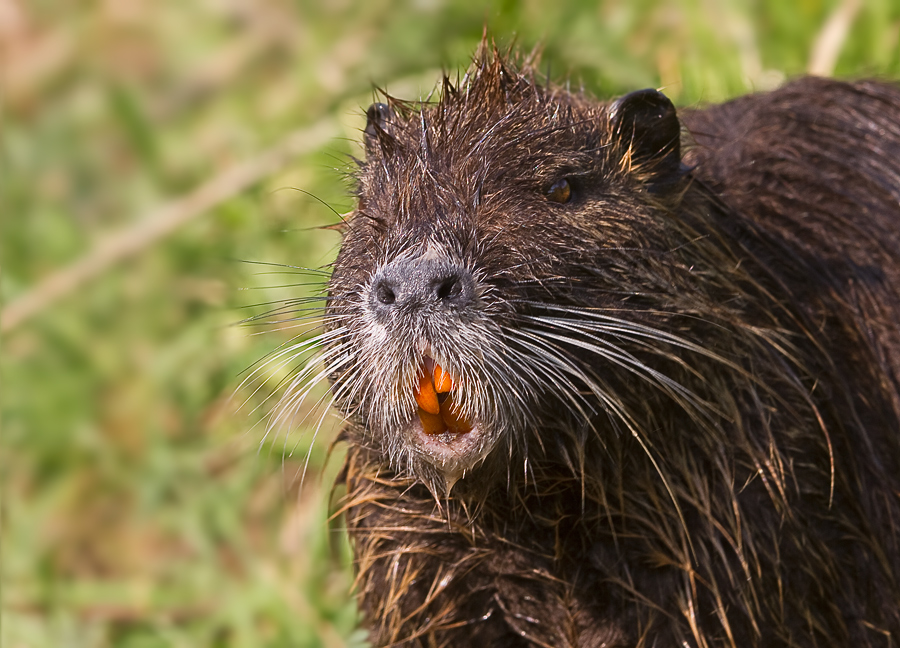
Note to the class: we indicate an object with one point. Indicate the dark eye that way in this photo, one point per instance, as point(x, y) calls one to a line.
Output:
point(559, 192)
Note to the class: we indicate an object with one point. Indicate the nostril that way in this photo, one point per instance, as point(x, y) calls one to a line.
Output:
point(384, 294)
point(448, 289)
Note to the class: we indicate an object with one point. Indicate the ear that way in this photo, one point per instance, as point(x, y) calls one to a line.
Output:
point(377, 118)
point(646, 121)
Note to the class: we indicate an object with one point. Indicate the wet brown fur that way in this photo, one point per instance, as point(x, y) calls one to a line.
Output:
point(703, 447)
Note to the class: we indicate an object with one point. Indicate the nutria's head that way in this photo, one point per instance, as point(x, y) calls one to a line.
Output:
point(500, 235)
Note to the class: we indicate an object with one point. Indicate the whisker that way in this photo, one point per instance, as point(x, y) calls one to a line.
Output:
point(625, 360)
point(318, 271)
point(298, 350)
point(615, 407)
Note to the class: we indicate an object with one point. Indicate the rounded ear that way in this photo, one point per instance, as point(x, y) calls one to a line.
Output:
point(646, 122)
point(377, 117)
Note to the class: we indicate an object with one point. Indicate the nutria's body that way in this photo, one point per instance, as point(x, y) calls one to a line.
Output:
point(676, 368)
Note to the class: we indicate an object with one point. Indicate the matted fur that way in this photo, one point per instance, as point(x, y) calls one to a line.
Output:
point(686, 388)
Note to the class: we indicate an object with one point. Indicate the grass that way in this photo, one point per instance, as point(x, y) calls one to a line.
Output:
point(143, 506)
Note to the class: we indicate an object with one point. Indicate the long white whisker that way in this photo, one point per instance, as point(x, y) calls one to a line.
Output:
point(295, 351)
point(294, 396)
point(625, 360)
point(625, 417)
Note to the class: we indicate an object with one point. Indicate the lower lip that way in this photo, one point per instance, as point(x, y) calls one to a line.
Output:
point(447, 445)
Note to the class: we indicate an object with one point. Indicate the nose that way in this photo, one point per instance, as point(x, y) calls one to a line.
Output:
point(407, 285)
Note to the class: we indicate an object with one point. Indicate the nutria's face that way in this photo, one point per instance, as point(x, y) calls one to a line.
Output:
point(482, 221)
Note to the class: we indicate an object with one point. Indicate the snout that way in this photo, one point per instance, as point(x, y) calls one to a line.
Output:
point(409, 286)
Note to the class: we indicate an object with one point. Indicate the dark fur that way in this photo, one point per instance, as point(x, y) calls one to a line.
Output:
point(687, 379)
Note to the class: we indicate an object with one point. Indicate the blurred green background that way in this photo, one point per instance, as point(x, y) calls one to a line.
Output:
point(142, 505)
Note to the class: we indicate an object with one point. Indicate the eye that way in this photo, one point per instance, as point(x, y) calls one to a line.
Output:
point(559, 192)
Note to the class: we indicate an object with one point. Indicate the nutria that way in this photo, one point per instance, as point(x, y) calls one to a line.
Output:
point(620, 376)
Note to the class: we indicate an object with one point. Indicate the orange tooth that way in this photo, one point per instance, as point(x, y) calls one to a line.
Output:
point(452, 419)
point(426, 397)
point(443, 382)
point(432, 423)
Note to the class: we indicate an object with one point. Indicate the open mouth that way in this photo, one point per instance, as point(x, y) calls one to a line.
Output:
point(443, 436)
point(437, 410)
